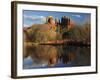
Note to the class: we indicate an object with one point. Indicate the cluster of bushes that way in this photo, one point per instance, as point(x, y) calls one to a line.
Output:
point(81, 33)
point(41, 34)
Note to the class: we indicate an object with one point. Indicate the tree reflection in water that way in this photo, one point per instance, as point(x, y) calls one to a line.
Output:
point(46, 56)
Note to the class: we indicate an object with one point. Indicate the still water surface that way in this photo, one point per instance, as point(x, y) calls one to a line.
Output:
point(51, 56)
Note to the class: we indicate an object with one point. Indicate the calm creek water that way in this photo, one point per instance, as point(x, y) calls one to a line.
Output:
point(51, 56)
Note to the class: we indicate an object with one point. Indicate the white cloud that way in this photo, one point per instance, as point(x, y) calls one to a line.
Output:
point(77, 16)
point(26, 25)
point(42, 18)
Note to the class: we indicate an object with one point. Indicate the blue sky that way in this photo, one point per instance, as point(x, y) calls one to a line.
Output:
point(39, 17)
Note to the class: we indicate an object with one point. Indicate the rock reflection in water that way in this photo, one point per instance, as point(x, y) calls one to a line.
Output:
point(44, 56)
